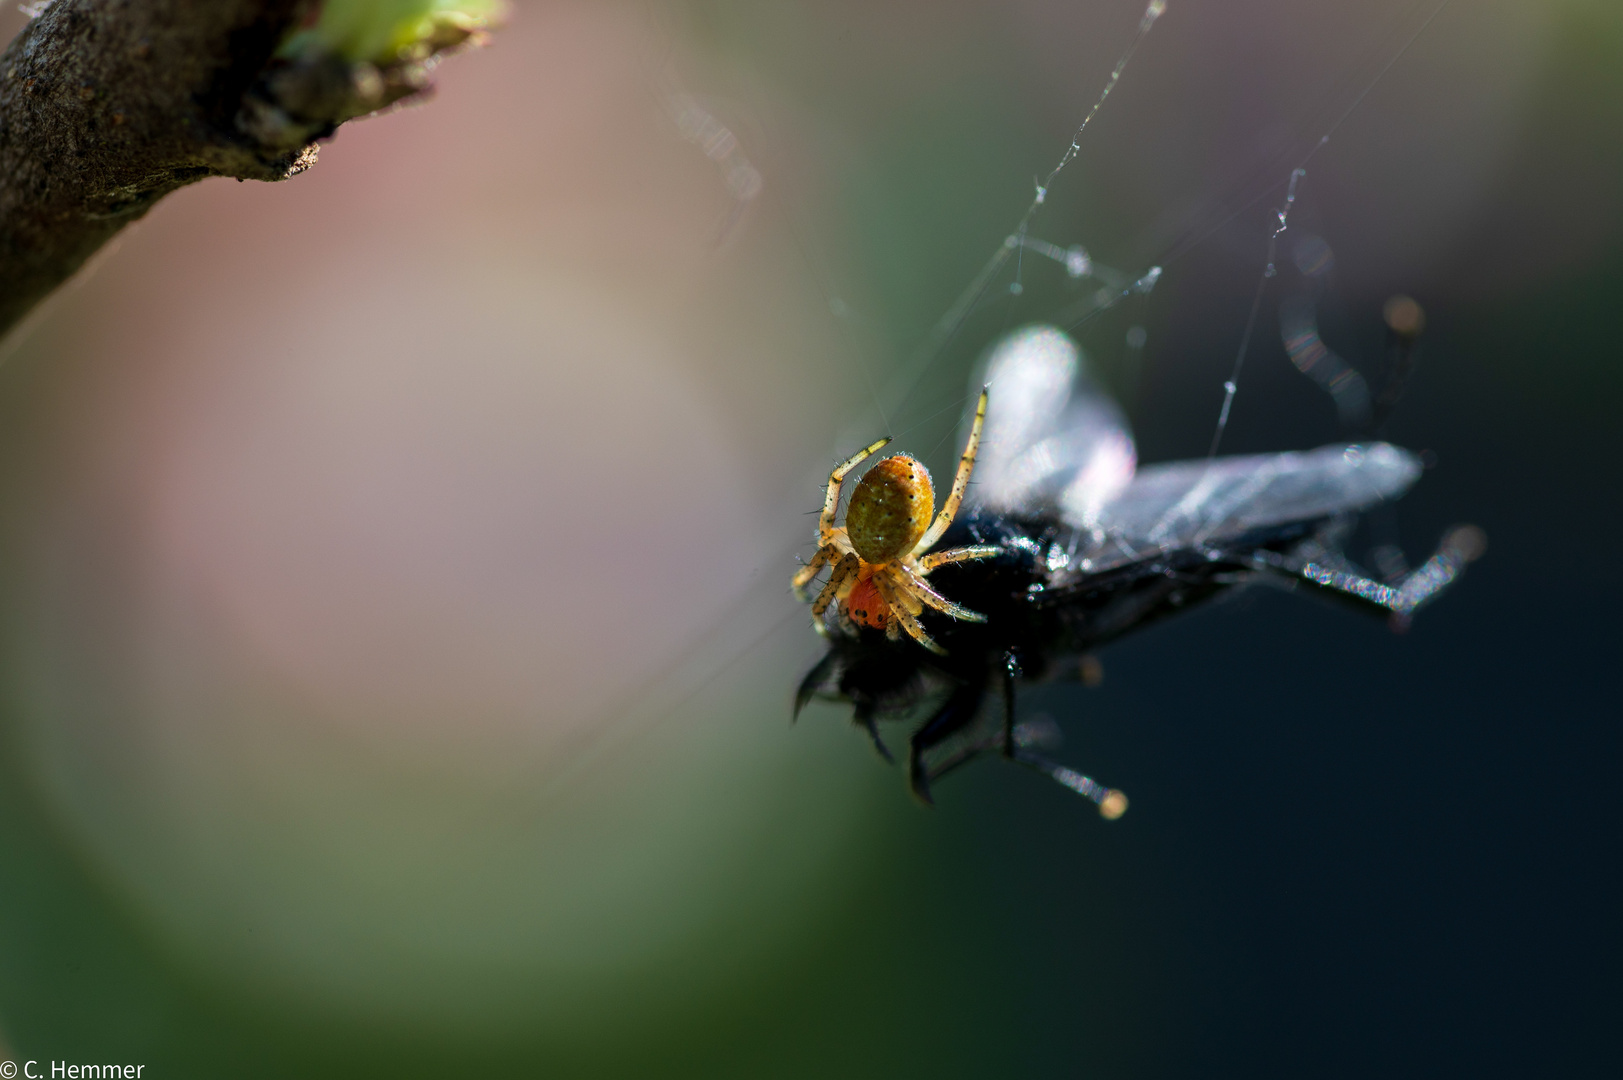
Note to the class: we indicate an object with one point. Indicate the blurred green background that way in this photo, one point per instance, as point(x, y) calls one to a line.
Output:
point(395, 652)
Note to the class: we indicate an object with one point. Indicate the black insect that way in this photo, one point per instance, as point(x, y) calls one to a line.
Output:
point(1090, 548)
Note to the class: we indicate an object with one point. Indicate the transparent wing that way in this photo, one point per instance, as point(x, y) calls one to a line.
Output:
point(1052, 437)
point(1191, 503)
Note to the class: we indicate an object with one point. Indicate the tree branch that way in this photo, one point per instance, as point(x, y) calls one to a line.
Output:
point(108, 105)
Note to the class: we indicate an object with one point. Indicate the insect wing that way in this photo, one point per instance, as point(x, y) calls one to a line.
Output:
point(1051, 436)
point(1194, 503)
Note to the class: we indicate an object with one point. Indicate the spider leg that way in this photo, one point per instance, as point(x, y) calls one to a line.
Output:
point(804, 575)
point(825, 521)
point(843, 571)
point(909, 621)
point(908, 598)
point(958, 555)
point(917, 586)
point(960, 482)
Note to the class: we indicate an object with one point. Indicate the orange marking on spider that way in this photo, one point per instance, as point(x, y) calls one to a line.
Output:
point(878, 555)
point(865, 606)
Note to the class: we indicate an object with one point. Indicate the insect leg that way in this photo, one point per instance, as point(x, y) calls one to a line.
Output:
point(1405, 319)
point(1112, 803)
point(1335, 579)
point(1460, 546)
point(825, 521)
point(960, 482)
point(959, 710)
point(863, 716)
point(961, 756)
point(822, 675)
point(1011, 668)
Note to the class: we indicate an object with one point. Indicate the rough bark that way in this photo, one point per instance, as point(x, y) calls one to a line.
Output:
point(108, 105)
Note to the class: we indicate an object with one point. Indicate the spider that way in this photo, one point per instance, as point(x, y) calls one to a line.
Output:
point(877, 556)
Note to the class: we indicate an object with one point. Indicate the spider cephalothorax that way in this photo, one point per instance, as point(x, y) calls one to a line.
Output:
point(878, 560)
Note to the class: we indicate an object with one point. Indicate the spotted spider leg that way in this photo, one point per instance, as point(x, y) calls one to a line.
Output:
point(843, 572)
point(831, 539)
point(825, 521)
point(960, 481)
point(804, 575)
point(914, 583)
point(902, 610)
point(958, 555)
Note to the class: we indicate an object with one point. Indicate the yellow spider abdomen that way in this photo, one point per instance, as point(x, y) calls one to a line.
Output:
point(890, 509)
